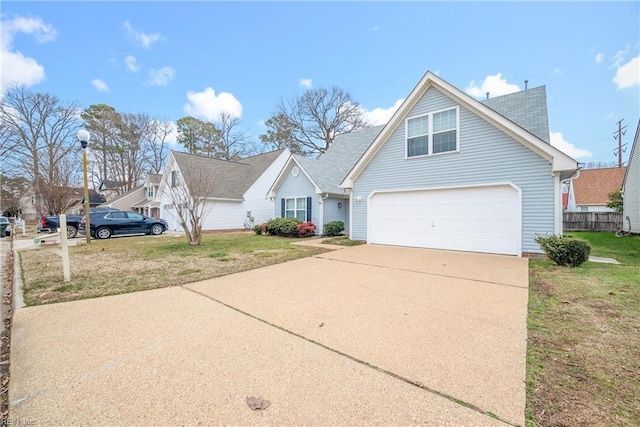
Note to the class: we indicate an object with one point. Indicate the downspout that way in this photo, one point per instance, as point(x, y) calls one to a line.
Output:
point(321, 216)
point(559, 223)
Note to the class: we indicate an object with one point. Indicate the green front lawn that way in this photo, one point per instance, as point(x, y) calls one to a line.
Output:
point(129, 264)
point(583, 356)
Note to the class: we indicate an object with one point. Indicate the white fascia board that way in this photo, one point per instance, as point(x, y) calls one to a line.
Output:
point(283, 174)
point(559, 160)
point(278, 181)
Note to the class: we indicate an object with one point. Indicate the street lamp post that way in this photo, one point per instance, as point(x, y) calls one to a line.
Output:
point(83, 137)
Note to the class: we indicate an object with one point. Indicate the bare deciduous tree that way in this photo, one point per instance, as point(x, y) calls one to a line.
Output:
point(103, 121)
point(233, 144)
point(280, 134)
point(61, 191)
point(188, 197)
point(157, 142)
point(41, 130)
point(317, 116)
point(128, 159)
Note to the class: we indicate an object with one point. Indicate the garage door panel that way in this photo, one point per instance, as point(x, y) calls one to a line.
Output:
point(479, 219)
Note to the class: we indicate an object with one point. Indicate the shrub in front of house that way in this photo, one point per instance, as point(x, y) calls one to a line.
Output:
point(257, 229)
point(565, 250)
point(306, 229)
point(287, 227)
point(333, 228)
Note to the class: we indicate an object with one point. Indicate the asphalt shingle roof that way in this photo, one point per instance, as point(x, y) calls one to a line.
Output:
point(527, 109)
point(223, 179)
point(593, 186)
point(329, 170)
point(155, 178)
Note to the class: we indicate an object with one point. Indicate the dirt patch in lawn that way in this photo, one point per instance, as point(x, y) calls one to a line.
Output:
point(128, 264)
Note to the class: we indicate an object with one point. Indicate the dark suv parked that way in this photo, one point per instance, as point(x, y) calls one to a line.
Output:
point(107, 224)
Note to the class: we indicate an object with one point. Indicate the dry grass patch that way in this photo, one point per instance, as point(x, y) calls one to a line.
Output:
point(129, 264)
point(584, 339)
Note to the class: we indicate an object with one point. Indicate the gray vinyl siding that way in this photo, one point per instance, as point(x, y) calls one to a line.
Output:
point(333, 213)
point(487, 155)
point(298, 186)
point(631, 203)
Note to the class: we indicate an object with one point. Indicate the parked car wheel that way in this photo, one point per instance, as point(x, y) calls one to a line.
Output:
point(157, 229)
point(103, 233)
point(71, 232)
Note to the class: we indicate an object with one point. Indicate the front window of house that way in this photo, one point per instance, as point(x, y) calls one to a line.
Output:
point(433, 133)
point(175, 179)
point(150, 192)
point(296, 207)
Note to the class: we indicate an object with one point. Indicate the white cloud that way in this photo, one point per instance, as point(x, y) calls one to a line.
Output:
point(375, 28)
point(380, 116)
point(144, 39)
point(558, 72)
point(306, 83)
point(161, 77)
point(495, 85)
point(17, 69)
point(558, 141)
point(100, 85)
point(208, 106)
point(619, 57)
point(599, 58)
point(131, 63)
point(628, 75)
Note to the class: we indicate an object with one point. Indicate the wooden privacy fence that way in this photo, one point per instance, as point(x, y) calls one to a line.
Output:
point(592, 221)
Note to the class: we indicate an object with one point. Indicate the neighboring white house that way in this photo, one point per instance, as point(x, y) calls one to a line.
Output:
point(142, 199)
point(235, 190)
point(125, 201)
point(110, 189)
point(590, 191)
point(631, 189)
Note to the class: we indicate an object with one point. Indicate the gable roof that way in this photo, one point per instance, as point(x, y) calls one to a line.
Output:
point(527, 108)
point(228, 179)
point(327, 172)
point(593, 186)
point(122, 196)
point(561, 163)
point(108, 184)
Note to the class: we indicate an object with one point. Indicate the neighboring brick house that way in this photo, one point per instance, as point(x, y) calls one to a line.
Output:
point(590, 191)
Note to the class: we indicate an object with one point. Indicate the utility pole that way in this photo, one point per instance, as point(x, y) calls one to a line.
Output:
point(618, 135)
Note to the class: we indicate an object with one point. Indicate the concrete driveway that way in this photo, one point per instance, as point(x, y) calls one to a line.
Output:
point(362, 335)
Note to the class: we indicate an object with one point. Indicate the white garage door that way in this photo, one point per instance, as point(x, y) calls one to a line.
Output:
point(474, 219)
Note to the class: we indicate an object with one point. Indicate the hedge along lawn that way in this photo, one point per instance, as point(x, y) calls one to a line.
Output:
point(583, 363)
point(129, 264)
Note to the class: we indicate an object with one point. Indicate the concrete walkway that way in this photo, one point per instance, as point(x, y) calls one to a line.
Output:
point(363, 335)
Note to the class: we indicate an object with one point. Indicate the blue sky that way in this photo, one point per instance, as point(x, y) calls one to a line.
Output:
point(169, 59)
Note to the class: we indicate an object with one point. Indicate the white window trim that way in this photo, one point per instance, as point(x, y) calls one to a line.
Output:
point(295, 210)
point(430, 152)
point(175, 179)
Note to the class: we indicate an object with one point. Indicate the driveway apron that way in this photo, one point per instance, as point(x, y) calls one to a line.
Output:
point(363, 335)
